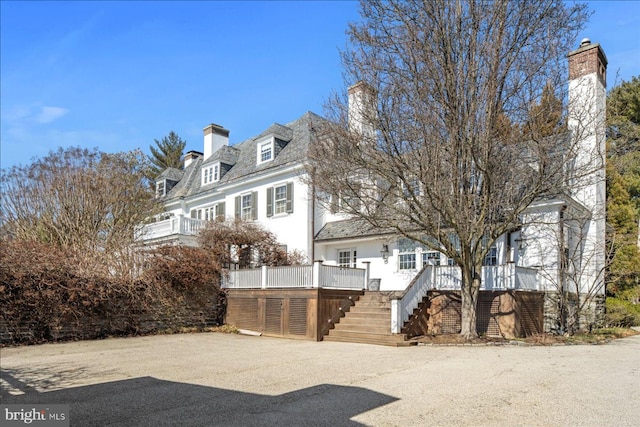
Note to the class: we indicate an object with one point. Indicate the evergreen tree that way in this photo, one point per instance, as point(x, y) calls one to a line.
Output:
point(166, 154)
point(623, 201)
point(545, 118)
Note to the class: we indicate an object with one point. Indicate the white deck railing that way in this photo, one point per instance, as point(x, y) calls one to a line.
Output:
point(243, 279)
point(402, 308)
point(331, 276)
point(527, 278)
point(298, 276)
point(171, 226)
point(494, 277)
point(446, 277)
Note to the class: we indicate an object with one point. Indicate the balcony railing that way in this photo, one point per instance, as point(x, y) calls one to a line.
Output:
point(178, 225)
point(298, 276)
point(494, 277)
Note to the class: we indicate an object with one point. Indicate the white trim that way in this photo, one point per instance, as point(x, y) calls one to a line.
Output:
point(282, 201)
point(225, 189)
point(263, 147)
point(247, 217)
point(353, 256)
point(210, 174)
point(164, 188)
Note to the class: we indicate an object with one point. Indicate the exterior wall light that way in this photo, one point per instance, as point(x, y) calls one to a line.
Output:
point(385, 253)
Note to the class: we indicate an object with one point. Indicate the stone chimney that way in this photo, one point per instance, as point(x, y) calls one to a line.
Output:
point(190, 157)
point(215, 137)
point(362, 109)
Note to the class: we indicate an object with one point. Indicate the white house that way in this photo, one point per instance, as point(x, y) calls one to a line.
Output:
point(559, 248)
point(260, 179)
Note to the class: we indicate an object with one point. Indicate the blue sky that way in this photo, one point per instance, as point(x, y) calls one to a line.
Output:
point(117, 75)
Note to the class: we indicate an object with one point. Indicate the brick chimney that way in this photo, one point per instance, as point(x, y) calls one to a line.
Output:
point(215, 137)
point(589, 58)
point(190, 157)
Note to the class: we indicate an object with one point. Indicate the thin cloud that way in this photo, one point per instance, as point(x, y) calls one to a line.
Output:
point(27, 115)
point(50, 114)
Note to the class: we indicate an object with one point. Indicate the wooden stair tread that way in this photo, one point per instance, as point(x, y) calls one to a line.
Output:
point(368, 322)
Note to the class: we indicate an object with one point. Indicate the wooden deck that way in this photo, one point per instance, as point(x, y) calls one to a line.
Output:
point(291, 313)
point(508, 314)
point(359, 316)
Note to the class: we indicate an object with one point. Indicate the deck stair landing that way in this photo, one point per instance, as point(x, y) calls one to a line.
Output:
point(368, 322)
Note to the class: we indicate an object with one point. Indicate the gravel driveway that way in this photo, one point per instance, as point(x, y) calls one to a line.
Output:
point(214, 379)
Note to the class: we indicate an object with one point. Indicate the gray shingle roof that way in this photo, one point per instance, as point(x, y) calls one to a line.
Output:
point(227, 155)
point(243, 157)
point(349, 228)
point(279, 131)
point(172, 174)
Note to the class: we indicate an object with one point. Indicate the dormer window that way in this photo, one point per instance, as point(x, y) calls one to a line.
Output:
point(211, 174)
point(265, 151)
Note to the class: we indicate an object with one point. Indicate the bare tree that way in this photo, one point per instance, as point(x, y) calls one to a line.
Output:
point(244, 243)
point(435, 142)
point(576, 300)
point(83, 201)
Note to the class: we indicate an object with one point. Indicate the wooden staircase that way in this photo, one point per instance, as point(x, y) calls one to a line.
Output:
point(418, 323)
point(368, 322)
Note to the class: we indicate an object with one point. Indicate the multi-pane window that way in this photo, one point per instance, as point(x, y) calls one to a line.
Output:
point(347, 258)
point(266, 151)
point(407, 255)
point(246, 206)
point(211, 174)
point(412, 188)
point(160, 189)
point(280, 199)
point(209, 213)
point(348, 200)
point(431, 258)
point(407, 261)
point(414, 255)
point(492, 256)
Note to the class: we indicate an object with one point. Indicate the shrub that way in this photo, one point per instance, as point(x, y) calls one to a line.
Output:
point(622, 313)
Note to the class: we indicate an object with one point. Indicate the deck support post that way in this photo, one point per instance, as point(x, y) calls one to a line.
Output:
point(396, 316)
point(263, 277)
point(367, 270)
point(316, 273)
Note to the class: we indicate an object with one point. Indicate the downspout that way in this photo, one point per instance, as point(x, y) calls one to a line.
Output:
point(561, 272)
point(313, 221)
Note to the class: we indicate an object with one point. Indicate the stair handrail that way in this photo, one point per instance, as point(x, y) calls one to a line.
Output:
point(403, 305)
point(338, 314)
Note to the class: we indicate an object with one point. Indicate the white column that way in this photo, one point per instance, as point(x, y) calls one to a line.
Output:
point(367, 269)
point(263, 277)
point(316, 273)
